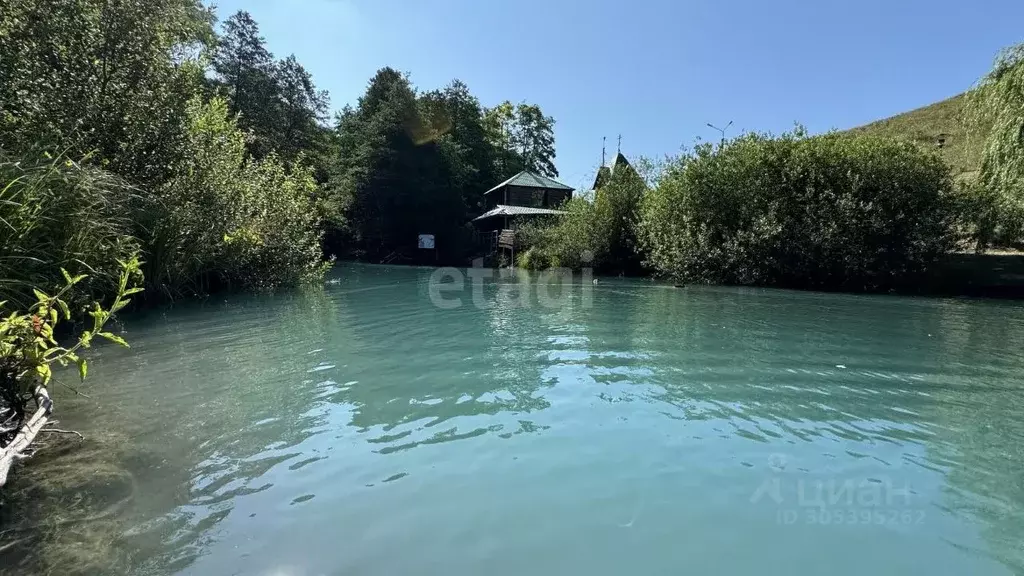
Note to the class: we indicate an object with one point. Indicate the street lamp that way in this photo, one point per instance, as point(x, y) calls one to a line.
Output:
point(720, 130)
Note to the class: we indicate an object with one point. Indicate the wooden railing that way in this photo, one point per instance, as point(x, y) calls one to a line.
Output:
point(494, 240)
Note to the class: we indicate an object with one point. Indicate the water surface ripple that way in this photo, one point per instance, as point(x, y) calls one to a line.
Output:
point(359, 429)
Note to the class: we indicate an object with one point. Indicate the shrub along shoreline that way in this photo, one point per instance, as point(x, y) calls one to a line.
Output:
point(845, 212)
point(833, 212)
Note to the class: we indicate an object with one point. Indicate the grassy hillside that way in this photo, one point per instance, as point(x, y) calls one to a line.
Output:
point(962, 148)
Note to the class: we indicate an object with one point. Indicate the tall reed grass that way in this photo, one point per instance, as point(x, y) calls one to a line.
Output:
point(56, 212)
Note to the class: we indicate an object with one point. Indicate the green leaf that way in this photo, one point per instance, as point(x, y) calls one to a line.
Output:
point(113, 338)
point(64, 308)
point(43, 370)
point(41, 296)
point(83, 368)
point(67, 277)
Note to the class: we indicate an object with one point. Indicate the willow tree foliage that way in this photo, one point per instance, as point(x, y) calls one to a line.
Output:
point(998, 104)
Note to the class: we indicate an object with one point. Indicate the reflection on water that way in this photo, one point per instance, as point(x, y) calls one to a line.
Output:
point(359, 429)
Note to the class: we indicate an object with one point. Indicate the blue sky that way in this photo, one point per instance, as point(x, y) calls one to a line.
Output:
point(655, 71)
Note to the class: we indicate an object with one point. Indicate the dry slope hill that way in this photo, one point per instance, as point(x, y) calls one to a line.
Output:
point(928, 126)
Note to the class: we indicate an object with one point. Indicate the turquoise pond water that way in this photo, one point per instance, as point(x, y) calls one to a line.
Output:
point(619, 428)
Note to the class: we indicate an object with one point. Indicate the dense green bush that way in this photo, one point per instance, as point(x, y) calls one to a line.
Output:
point(616, 222)
point(568, 240)
point(532, 259)
point(601, 233)
point(827, 212)
point(980, 215)
point(57, 213)
point(225, 220)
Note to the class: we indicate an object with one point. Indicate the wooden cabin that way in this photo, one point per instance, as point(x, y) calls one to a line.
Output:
point(523, 196)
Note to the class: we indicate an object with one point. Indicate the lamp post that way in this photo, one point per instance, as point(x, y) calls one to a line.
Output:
point(720, 130)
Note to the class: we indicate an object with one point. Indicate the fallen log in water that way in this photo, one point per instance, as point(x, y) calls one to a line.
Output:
point(15, 450)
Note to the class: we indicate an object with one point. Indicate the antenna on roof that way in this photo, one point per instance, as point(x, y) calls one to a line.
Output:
point(619, 149)
point(603, 140)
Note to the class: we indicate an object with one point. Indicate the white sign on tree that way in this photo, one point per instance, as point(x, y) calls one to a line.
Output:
point(426, 241)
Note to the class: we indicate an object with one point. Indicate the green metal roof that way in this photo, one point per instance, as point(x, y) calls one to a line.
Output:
point(503, 210)
point(604, 173)
point(530, 180)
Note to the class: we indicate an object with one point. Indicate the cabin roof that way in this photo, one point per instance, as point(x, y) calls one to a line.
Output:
point(503, 210)
point(530, 180)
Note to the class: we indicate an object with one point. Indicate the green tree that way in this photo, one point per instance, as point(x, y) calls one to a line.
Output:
point(524, 138)
point(455, 120)
point(997, 104)
point(226, 220)
point(602, 234)
point(303, 111)
point(277, 102)
point(534, 138)
point(102, 77)
point(247, 71)
point(617, 220)
point(391, 178)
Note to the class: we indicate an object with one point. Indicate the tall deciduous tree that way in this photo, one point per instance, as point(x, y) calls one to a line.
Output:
point(302, 107)
point(99, 76)
point(454, 119)
point(534, 138)
point(524, 138)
